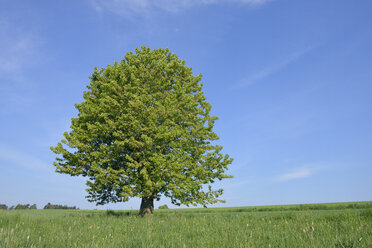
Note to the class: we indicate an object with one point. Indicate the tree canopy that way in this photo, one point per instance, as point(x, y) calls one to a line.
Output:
point(144, 130)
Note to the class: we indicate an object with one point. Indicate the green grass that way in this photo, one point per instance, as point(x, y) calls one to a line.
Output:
point(314, 225)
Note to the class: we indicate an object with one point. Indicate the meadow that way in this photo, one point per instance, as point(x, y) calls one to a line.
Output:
point(310, 225)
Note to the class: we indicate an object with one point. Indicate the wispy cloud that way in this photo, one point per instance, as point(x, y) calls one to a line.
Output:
point(272, 69)
point(19, 49)
point(10, 156)
point(145, 7)
point(295, 174)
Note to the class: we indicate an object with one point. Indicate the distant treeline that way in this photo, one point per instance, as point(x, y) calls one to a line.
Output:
point(33, 206)
point(55, 206)
point(18, 206)
point(294, 207)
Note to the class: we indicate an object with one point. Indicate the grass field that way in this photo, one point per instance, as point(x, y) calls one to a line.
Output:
point(314, 225)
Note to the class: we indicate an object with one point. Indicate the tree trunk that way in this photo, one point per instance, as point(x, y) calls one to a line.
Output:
point(147, 206)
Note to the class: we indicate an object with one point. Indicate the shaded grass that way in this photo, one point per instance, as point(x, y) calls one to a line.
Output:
point(271, 226)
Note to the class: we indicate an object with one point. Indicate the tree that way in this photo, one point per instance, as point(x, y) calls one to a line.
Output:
point(22, 206)
point(57, 206)
point(33, 206)
point(48, 206)
point(3, 206)
point(163, 206)
point(144, 130)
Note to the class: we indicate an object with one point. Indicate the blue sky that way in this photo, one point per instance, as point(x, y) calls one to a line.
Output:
point(290, 80)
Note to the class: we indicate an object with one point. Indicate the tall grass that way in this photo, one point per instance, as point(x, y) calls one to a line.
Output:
point(273, 226)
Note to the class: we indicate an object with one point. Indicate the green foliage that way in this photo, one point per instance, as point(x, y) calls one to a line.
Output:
point(3, 207)
point(163, 206)
point(144, 129)
point(22, 206)
point(212, 227)
point(56, 206)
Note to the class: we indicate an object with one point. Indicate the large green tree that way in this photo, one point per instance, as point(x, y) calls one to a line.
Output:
point(144, 130)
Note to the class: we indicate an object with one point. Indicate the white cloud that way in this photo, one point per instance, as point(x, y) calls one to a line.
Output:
point(15, 157)
point(145, 7)
point(18, 48)
point(268, 71)
point(296, 174)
